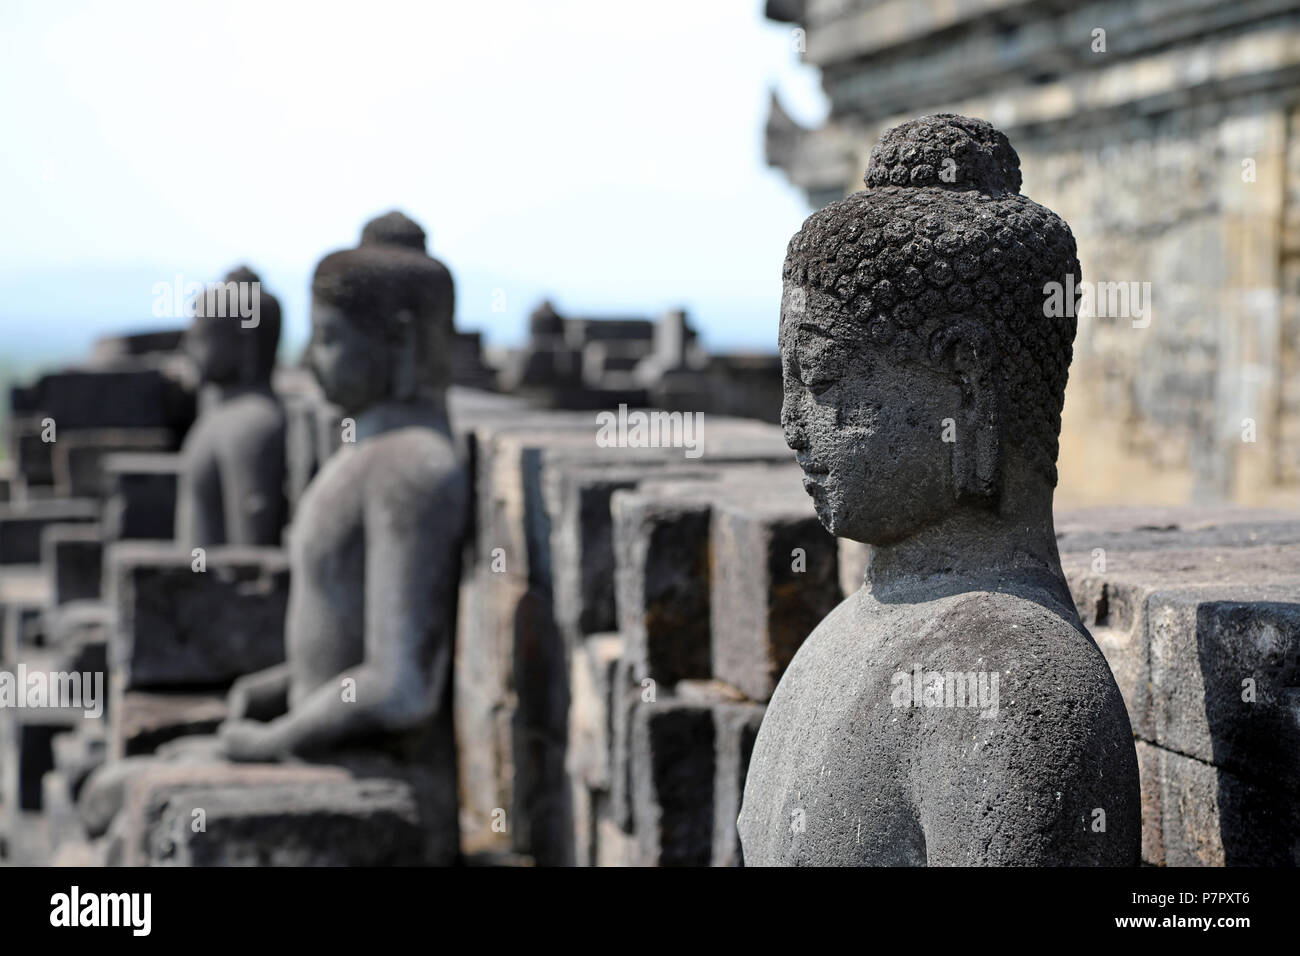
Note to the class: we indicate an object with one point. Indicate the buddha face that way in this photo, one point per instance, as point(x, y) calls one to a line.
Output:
point(866, 428)
point(213, 344)
point(350, 363)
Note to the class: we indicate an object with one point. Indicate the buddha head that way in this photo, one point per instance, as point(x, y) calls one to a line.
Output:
point(921, 374)
point(381, 326)
point(225, 349)
point(394, 229)
point(545, 324)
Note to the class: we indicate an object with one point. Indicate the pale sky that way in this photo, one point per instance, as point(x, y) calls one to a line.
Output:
point(607, 154)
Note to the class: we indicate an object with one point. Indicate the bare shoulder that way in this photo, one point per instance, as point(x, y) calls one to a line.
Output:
point(1002, 623)
point(1048, 682)
point(417, 469)
point(1051, 686)
point(256, 410)
point(248, 425)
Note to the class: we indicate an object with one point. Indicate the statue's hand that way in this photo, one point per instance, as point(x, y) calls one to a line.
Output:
point(250, 741)
point(237, 700)
point(262, 695)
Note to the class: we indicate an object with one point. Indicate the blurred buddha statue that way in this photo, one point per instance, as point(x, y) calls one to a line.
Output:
point(375, 544)
point(231, 488)
point(374, 555)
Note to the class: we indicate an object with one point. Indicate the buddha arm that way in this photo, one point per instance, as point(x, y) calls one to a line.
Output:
point(261, 695)
point(412, 554)
point(983, 806)
point(1022, 793)
point(198, 502)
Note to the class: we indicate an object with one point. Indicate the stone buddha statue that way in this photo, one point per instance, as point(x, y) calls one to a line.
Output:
point(375, 544)
point(231, 488)
point(954, 710)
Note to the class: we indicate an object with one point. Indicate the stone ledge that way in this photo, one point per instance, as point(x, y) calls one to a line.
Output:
point(256, 815)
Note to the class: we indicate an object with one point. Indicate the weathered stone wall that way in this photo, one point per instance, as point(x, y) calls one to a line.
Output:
point(1172, 154)
point(1197, 613)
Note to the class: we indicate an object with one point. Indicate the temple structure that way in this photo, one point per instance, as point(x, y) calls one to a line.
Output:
point(1168, 135)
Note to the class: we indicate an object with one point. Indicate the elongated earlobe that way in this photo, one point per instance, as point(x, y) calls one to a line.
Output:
point(402, 357)
point(981, 469)
point(965, 348)
point(249, 360)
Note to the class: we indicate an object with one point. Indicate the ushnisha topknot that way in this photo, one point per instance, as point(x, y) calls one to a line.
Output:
point(945, 151)
point(394, 229)
point(375, 284)
point(919, 263)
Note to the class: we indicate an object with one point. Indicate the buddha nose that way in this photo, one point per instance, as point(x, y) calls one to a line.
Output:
point(792, 428)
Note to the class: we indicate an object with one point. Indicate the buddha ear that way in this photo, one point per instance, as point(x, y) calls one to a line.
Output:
point(402, 356)
point(965, 349)
point(249, 360)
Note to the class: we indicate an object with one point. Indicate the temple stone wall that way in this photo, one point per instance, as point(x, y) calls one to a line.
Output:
point(1171, 152)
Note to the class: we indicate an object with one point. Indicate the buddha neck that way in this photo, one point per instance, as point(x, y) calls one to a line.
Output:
point(427, 411)
point(972, 549)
